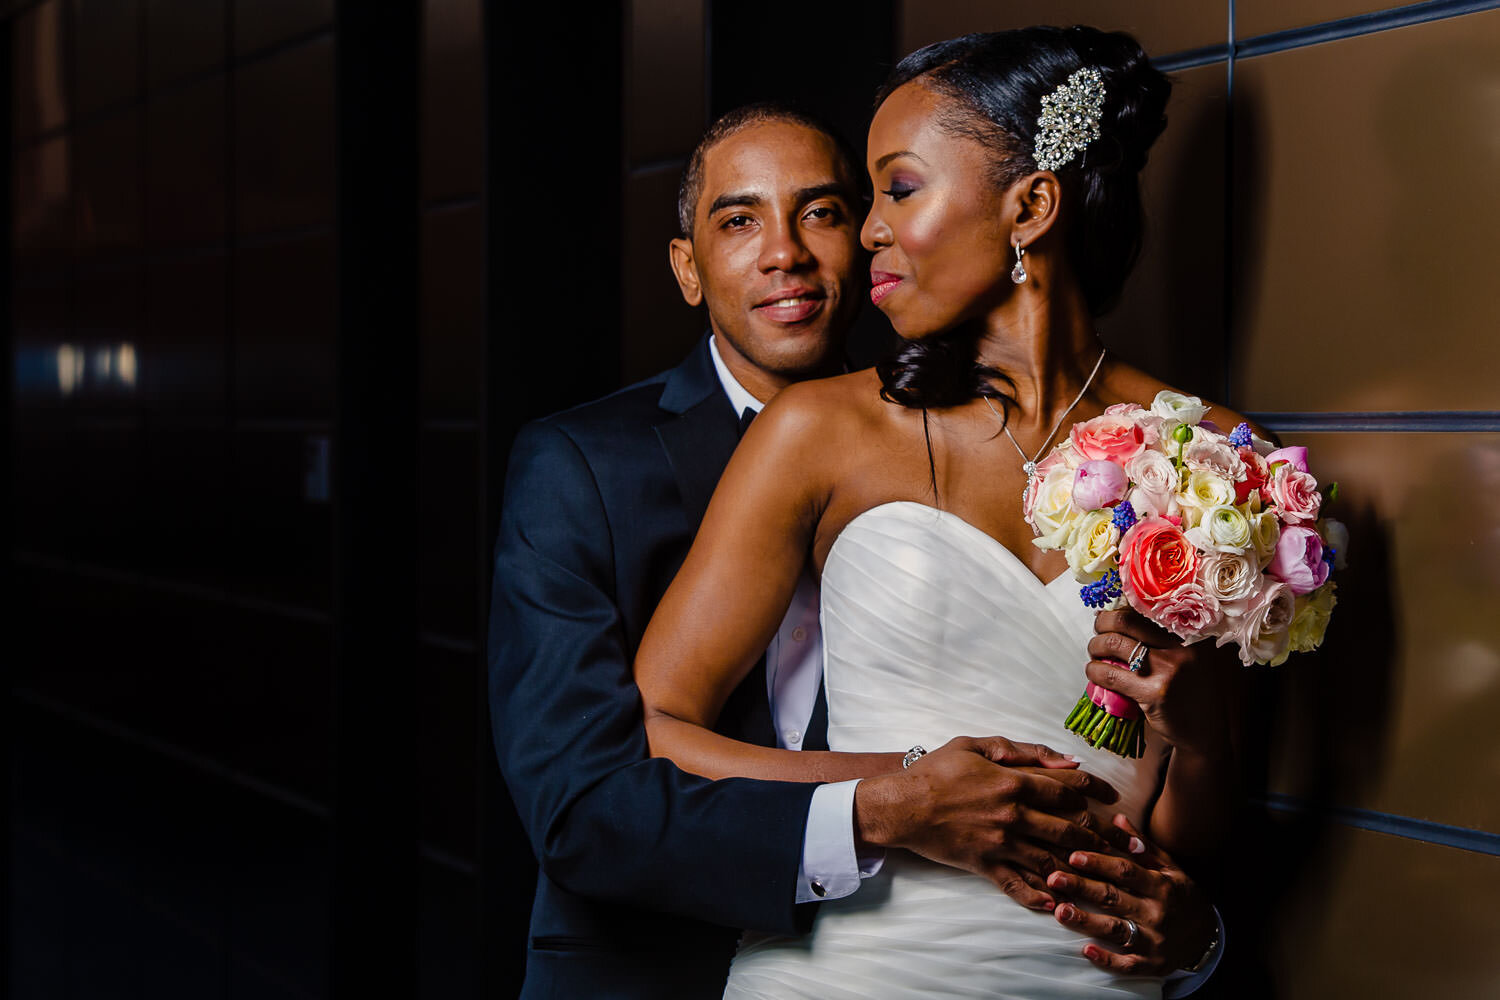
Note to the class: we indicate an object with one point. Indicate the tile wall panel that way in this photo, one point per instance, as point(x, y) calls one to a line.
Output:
point(1409, 677)
point(184, 38)
point(41, 99)
point(282, 541)
point(448, 738)
point(449, 533)
point(1375, 915)
point(664, 85)
point(1388, 306)
point(1257, 17)
point(452, 99)
point(285, 327)
point(41, 200)
point(184, 347)
point(1170, 319)
point(106, 53)
point(658, 326)
point(259, 24)
point(1160, 28)
point(185, 502)
point(186, 167)
point(107, 202)
point(283, 139)
point(452, 286)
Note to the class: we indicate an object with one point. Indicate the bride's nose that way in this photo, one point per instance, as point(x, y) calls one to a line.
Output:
point(874, 234)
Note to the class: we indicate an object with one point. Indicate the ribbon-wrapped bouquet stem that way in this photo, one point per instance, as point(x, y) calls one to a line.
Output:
point(1209, 535)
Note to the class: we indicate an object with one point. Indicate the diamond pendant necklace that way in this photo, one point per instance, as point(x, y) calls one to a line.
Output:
point(1028, 465)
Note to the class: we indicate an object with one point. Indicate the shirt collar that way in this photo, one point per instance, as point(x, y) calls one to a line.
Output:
point(739, 396)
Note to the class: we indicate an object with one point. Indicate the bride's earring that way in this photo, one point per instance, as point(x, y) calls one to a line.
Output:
point(1018, 273)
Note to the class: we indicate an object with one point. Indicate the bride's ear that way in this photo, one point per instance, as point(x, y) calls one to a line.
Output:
point(1036, 200)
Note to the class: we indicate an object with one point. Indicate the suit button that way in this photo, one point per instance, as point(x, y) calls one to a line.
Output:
point(793, 737)
point(818, 889)
point(799, 633)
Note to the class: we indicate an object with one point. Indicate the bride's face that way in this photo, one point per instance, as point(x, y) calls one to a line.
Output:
point(937, 228)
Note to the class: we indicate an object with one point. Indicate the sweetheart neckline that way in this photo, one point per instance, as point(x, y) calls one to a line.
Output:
point(966, 525)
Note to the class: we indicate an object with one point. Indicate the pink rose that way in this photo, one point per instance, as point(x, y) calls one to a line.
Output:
point(1114, 436)
point(1124, 408)
point(1257, 471)
point(1155, 559)
point(1189, 612)
point(1261, 625)
point(1295, 457)
point(1294, 493)
point(1298, 560)
point(1098, 484)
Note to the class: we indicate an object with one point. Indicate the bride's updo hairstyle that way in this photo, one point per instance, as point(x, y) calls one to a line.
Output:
point(995, 84)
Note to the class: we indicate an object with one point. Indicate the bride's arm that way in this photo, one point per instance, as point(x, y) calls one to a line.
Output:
point(733, 589)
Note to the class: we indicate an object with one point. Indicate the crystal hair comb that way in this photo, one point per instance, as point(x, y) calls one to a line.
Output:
point(1069, 120)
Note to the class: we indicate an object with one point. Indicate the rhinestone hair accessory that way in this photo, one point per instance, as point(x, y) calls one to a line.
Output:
point(1069, 120)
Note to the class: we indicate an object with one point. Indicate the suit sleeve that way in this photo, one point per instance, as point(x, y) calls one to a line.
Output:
point(606, 820)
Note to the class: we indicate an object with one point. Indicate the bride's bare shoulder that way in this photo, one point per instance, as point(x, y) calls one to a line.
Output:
point(822, 406)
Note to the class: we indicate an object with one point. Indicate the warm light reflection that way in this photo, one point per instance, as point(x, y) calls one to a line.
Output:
point(113, 366)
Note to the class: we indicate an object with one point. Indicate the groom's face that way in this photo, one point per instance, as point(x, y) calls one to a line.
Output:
point(775, 250)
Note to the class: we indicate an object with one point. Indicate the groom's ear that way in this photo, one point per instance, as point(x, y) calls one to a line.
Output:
point(685, 270)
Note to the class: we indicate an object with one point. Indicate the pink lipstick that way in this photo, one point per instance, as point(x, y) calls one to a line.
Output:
point(882, 283)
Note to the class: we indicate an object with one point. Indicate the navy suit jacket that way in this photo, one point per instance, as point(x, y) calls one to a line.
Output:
point(645, 872)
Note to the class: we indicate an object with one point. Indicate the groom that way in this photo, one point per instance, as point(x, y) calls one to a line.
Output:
point(644, 869)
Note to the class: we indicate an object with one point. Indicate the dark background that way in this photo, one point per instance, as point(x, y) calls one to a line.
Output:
point(284, 276)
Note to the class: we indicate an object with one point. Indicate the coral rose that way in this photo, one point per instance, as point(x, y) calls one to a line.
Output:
point(1114, 436)
point(1155, 559)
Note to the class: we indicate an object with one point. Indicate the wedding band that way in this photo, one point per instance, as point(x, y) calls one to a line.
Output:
point(1134, 929)
point(913, 755)
point(1138, 657)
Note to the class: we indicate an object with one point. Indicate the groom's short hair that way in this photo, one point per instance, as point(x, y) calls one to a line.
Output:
point(691, 187)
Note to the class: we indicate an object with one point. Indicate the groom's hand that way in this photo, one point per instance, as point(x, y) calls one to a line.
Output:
point(1007, 811)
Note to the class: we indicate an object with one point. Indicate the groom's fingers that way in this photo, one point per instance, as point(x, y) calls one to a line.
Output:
point(1013, 754)
point(1074, 831)
point(1010, 881)
point(1060, 788)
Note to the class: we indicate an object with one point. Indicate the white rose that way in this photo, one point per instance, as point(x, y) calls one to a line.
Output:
point(1335, 537)
point(1174, 406)
point(1203, 492)
point(1094, 544)
point(1053, 516)
point(1225, 529)
point(1265, 531)
point(1209, 455)
point(1310, 621)
point(1228, 576)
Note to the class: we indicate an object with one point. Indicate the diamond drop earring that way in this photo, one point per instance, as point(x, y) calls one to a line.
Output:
point(1018, 273)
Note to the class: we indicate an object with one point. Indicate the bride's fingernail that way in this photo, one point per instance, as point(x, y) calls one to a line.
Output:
point(1136, 846)
point(1068, 756)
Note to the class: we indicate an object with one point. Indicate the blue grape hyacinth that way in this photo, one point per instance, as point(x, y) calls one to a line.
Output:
point(1240, 436)
point(1124, 516)
point(1101, 592)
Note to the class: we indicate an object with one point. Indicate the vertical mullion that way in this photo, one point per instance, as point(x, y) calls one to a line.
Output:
point(375, 514)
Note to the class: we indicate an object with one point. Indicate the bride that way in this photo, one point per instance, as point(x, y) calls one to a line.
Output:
point(1006, 217)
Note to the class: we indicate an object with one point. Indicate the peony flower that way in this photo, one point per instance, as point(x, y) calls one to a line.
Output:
point(1228, 576)
point(1294, 493)
point(1155, 559)
point(1261, 624)
point(1052, 511)
point(1190, 612)
point(1310, 620)
point(1296, 457)
point(1298, 560)
point(1098, 484)
point(1093, 546)
point(1174, 406)
point(1113, 436)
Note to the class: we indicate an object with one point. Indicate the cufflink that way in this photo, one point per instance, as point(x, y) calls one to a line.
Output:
point(818, 888)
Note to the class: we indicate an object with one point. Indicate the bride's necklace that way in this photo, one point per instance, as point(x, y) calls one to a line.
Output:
point(1028, 465)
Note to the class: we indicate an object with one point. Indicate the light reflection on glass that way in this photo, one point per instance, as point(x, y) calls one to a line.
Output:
point(113, 366)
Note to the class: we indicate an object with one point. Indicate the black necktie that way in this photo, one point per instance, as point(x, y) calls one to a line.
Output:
point(745, 419)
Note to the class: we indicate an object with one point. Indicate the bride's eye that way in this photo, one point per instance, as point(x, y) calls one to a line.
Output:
point(899, 190)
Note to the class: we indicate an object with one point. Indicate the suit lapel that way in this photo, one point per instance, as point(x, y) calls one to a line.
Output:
point(701, 435)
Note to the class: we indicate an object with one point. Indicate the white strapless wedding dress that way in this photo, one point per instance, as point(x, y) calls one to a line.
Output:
point(932, 629)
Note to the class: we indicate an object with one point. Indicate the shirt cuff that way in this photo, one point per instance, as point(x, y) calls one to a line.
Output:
point(1181, 983)
point(831, 868)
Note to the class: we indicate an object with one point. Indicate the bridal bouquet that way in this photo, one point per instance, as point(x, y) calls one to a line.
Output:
point(1206, 534)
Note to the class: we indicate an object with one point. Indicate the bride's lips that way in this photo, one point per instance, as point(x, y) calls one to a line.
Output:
point(791, 305)
point(882, 283)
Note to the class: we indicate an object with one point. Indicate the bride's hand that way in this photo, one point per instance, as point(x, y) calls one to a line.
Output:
point(1003, 810)
point(1174, 920)
point(1184, 690)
